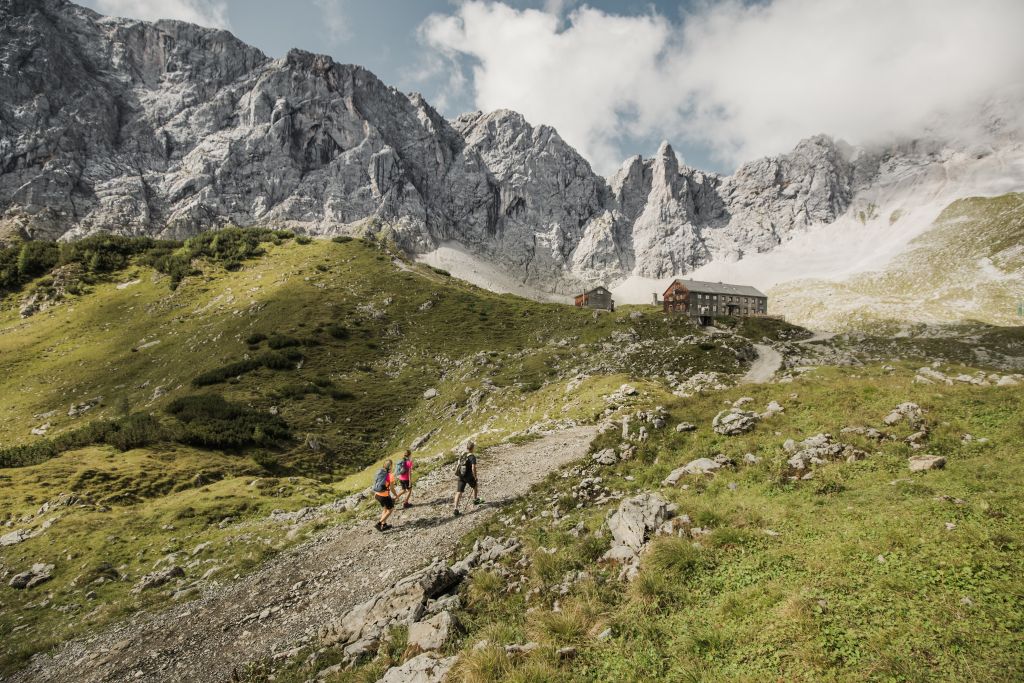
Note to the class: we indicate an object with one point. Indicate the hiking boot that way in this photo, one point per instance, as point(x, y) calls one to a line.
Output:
point(478, 501)
point(406, 506)
point(385, 527)
point(457, 513)
point(378, 527)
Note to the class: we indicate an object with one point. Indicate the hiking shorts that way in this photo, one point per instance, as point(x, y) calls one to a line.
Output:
point(471, 482)
point(406, 484)
point(386, 501)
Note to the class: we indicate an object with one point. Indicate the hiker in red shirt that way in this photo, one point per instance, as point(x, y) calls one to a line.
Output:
point(405, 478)
point(383, 487)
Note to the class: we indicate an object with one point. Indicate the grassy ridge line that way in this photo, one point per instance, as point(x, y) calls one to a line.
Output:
point(364, 323)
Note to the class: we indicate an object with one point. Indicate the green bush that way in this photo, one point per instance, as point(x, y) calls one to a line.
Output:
point(303, 239)
point(210, 421)
point(341, 239)
point(338, 331)
point(126, 433)
point(255, 338)
point(282, 341)
point(272, 360)
point(36, 258)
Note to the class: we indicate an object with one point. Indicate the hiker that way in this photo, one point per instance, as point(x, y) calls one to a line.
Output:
point(383, 487)
point(405, 478)
point(465, 470)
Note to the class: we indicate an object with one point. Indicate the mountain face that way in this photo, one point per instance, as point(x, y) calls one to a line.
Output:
point(169, 129)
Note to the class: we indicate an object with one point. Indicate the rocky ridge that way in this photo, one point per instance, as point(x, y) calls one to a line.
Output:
point(169, 129)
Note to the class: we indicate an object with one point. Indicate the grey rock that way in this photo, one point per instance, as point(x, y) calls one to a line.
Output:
point(734, 422)
point(685, 427)
point(39, 573)
point(636, 518)
point(921, 463)
point(820, 449)
point(606, 456)
point(433, 633)
point(158, 578)
point(424, 668)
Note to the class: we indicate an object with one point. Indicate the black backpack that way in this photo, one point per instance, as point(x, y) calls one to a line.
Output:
point(460, 466)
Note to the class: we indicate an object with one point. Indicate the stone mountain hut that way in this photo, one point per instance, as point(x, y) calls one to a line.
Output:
point(705, 301)
point(598, 298)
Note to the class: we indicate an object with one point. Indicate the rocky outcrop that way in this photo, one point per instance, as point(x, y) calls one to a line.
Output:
point(37, 574)
point(168, 129)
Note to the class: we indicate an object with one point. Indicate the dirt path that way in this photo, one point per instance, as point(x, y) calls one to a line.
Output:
point(306, 586)
point(764, 367)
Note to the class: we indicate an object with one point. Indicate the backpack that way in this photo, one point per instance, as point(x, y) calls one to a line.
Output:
point(460, 466)
point(380, 483)
point(403, 467)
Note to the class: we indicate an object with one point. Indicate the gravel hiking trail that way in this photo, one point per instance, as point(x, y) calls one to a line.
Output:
point(764, 367)
point(289, 596)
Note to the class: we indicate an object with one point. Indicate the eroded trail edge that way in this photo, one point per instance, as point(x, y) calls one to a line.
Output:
point(306, 586)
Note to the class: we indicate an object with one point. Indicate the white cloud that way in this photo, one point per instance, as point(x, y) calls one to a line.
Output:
point(212, 13)
point(746, 80)
point(336, 21)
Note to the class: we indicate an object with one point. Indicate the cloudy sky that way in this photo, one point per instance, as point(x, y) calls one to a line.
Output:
point(724, 81)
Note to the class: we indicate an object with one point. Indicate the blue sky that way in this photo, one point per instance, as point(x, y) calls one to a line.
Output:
point(723, 81)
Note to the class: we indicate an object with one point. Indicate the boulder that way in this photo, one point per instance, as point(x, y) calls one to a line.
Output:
point(433, 633)
point(920, 463)
point(685, 427)
point(430, 393)
point(158, 578)
point(773, 408)
point(819, 449)
point(606, 456)
point(733, 422)
point(15, 537)
point(424, 668)
point(39, 573)
point(904, 411)
point(636, 518)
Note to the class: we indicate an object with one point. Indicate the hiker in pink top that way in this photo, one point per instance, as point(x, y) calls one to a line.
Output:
point(405, 477)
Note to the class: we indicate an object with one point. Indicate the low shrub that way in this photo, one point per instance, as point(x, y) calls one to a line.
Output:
point(210, 421)
point(338, 331)
point(282, 341)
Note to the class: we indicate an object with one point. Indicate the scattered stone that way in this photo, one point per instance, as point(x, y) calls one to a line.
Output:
point(773, 408)
point(430, 393)
point(40, 430)
point(433, 633)
point(525, 648)
point(819, 449)
point(904, 411)
point(606, 456)
point(734, 422)
point(77, 409)
point(685, 427)
point(751, 459)
point(39, 573)
point(424, 668)
point(920, 463)
point(158, 578)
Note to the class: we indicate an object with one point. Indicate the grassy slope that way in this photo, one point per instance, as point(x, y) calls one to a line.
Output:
point(498, 363)
point(967, 266)
point(812, 603)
